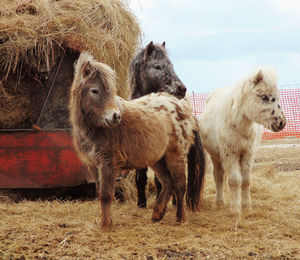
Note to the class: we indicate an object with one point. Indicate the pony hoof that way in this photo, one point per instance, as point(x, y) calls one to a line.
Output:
point(106, 228)
point(142, 205)
point(180, 220)
point(156, 217)
point(220, 204)
point(247, 208)
point(235, 211)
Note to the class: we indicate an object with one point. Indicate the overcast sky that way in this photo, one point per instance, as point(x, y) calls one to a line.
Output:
point(214, 43)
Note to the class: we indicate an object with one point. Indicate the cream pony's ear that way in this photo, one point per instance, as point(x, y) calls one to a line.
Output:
point(258, 77)
point(86, 69)
point(163, 45)
point(83, 67)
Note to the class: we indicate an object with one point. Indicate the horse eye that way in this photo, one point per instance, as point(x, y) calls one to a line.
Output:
point(265, 98)
point(273, 99)
point(94, 91)
point(156, 66)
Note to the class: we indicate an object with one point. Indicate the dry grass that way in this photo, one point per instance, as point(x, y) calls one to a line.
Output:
point(32, 33)
point(69, 230)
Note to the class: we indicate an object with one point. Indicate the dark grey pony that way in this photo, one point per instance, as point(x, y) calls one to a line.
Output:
point(151, 71)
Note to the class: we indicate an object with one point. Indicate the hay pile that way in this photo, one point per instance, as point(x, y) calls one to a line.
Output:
point(34, 35)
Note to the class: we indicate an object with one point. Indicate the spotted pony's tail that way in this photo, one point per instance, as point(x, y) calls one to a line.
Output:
point(196, 173)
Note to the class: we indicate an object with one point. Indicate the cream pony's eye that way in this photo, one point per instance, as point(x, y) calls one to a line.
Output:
point(273, 99)
point(94, 91)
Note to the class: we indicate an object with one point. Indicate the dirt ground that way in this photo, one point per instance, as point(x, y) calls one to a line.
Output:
point(71, 230)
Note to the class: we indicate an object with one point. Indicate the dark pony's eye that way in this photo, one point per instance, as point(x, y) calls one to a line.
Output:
point(94, 91)
point(157, 67)
point(264, 98)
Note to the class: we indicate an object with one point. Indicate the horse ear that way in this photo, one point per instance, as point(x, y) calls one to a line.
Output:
point(163, 45)
point(258, 77)
point(86, 69)
point(148, 50)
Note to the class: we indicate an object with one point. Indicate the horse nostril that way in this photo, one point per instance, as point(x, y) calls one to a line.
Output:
point(181, 90)
point(281, 124)
point(116, 117)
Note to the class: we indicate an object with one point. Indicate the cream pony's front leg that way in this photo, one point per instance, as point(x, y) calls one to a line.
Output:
point(232, 168)
point(219, 181)
point(246, 165)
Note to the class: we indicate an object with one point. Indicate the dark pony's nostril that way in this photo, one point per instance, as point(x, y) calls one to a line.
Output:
point(181, 89)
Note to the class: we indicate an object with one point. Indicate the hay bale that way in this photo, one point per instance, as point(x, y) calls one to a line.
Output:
point(34, 35)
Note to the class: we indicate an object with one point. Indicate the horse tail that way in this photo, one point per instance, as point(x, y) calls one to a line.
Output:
point(196, 172)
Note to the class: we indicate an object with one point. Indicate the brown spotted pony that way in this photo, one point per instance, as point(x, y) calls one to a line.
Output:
point(112, 135)
point(151, 71)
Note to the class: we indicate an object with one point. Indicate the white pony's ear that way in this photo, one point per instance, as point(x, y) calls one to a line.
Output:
point(258, 78)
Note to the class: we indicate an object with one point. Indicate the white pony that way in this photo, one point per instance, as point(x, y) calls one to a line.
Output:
point(230, 127)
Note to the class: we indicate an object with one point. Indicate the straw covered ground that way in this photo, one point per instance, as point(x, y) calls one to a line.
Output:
point(70, 229)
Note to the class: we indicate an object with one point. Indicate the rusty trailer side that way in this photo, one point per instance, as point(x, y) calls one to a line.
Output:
point(45, 159)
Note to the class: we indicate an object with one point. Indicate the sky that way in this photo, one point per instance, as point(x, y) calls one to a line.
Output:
point(215, 43)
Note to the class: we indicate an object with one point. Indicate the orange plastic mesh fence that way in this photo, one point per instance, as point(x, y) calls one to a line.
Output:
point(290, 103)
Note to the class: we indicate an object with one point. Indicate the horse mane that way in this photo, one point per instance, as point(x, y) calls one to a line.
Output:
point(107, 74)
point(244, 86)
point(268, 75)
point(85, 68)
point(265, 74)
point(137, 64)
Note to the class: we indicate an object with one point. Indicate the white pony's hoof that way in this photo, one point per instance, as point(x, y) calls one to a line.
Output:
point(247, 207)
point(220, 203)
point(235, 209)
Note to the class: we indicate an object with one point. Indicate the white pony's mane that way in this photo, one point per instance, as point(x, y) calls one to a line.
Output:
point(244, 86)
point(269, 77)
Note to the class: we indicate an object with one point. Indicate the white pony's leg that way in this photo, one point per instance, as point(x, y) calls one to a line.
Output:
point(246, 164)
point(232, 167)
point(219, 181)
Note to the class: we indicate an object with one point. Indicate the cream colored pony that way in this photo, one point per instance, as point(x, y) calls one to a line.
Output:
point(230, 127)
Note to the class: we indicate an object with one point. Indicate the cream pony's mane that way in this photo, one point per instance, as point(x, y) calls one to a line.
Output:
point(107, 74)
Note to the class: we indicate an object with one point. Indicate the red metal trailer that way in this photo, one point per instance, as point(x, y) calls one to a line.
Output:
point(39, 159)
